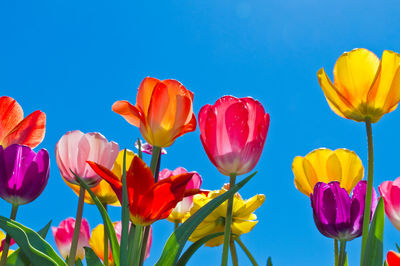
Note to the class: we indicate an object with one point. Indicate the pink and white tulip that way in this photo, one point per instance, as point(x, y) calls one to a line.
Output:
point(233, 132)
point(75, 148)
point(390, 192)
point(184, 206)
point(63, 236)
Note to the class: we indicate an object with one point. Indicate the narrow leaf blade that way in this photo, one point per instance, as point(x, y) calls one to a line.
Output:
point(91, 257)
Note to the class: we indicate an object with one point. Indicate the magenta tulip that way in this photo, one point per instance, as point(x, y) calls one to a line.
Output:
point(23, 173)
point(63, 237)
point(233, 133)
point(75, 148)
point(390, 192)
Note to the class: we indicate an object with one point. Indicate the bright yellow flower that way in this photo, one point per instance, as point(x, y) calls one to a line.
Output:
point(363, 87)
point(103, 190)
point(243, 218)
point(325, 165)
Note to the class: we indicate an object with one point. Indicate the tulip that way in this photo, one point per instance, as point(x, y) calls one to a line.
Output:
point(233, 133)
point(3, 241)
point(163, 111)
point(75, 148)
point(243, 218)
point(325, 165)
point(336, 214)
point(147, 148)
point(392, 258)
point(364, 88)
point(63, 237)
point(148, 201)
point(182, 209)
point(390, 191)
point(15, 129)
point(23, 173)
point(97, 241)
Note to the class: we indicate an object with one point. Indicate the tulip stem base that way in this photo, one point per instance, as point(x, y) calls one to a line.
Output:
point(234, 253)
point(247, 251)
point(336, 252)
point(4, 255)
point(105, 242)
point(228, 222)
point(77, 227)
point(176, 226)
point(137, 245)
point(368, 196)
point(342, 254)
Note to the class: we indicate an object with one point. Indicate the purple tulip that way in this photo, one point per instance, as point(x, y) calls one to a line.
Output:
point(23, 173)
point(336, 214)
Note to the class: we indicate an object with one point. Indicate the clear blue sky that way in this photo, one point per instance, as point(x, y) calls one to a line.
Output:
point(73, 59)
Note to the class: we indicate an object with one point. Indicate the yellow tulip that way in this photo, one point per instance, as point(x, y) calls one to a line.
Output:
point(325, 165)
point(243, 218)
point(364, 88)
point(103, 190)
point(96, 241)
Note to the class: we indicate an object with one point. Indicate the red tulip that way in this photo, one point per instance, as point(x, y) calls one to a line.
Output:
point(392, 258)
point(148, 201)
point(233, 133)
point(15, 129)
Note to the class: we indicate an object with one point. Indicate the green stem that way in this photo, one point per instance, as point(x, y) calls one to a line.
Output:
point(155, 168)
point(233, 253)
point(342, 254)
point(105, 242)
point(228, 222)
point(176, 226)
point(137, 245)
point(131, 243)
point(124, 216)
point(247, 251)
point(77, 228)
point(13, 215)
point(367, 210)
point(336, 252)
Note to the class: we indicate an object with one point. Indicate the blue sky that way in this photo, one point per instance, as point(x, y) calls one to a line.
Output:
point(73, 59)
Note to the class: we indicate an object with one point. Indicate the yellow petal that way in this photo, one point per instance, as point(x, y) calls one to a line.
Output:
point(337, 101)
point(96, 242)
point(243, 227)
point(249, 206)
point(346, 167)
point(387, 80)
point(117, 167)
point(300, 179)
point(354, 73)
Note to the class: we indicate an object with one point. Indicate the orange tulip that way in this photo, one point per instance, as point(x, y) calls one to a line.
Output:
point(163, 111)
point(15, 129)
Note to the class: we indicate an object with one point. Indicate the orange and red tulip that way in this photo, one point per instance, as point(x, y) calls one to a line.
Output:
point(163, 111)
point(148, 201)
point(15, 129)
point(393, 258)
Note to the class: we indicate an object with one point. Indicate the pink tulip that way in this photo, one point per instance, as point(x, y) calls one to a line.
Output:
point(390, 192)
point(75, 148)
point(233, 133)
point(63, 237)
point(186, 204)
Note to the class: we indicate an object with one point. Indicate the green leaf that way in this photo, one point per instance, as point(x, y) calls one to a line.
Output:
point(91, 257)
point(398, 248)
point(374, 247)
point(18, 257)
point(269, 262)
point(195, 246)
point(31, 243)
point(78, 262)
point(178, 238)
point(124, 216)
point(106, 220)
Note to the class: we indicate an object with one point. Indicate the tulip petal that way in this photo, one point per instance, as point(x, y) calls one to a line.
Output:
point(338, 103)
point(301, 180)
point(386, 83)
point(354, 74)
point(145, 93)
point(131, 114)
point(393, 258)
point(10, 115)
point(250, 205)
point(30, 131)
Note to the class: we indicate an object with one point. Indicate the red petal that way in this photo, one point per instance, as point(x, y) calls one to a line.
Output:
point(393, 258)
point(145, 93)
point(108, 176)
point(29, 132)
point(10, 115)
